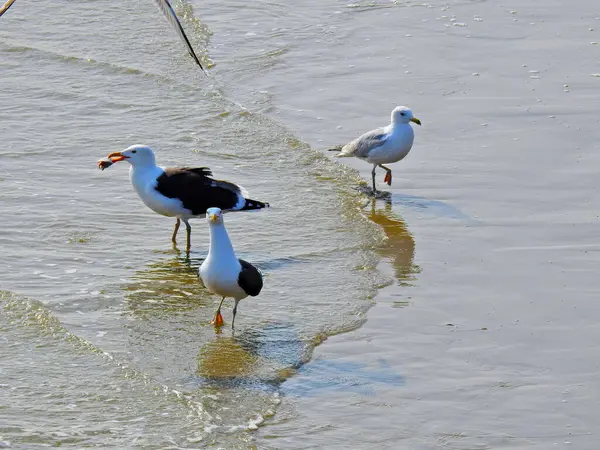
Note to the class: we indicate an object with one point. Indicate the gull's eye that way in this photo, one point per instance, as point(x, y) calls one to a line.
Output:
point(135, 151)
point(402, 114)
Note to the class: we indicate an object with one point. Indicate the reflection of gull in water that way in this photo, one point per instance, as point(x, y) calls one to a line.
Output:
point(399, 246)
point(261, 358)
point(167, 285)
point(225, 359)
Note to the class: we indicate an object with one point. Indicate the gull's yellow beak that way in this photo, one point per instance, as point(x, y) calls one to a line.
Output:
point(116, 157)
point(415, 120)
point(213, 217)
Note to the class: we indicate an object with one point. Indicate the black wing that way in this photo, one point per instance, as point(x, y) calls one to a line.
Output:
point(250, 279)
point(197, 191)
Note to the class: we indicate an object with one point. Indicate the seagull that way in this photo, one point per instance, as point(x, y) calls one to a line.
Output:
point(222, 273)
point(183, 192)
point(383, 145)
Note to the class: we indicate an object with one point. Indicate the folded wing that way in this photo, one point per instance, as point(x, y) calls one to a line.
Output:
point(250, 279)
point(197, 191)
point(361, 146)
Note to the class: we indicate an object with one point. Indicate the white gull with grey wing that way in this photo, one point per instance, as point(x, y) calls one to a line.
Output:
point(384, 145)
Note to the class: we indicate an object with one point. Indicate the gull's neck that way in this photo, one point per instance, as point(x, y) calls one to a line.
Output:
point(220, 244)
point(142, 176)
point(143, 171)
point(143, 167)
point(398, 125)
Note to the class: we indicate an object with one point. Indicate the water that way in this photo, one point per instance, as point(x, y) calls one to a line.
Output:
point(115, 309)
point(460, 315)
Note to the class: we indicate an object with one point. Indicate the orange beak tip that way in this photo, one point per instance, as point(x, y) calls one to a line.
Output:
point(116, 157)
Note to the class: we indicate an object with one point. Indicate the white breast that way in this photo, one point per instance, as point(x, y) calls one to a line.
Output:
point(396, 147)
point(221, 268)
point(220, 276)
point(144, 182)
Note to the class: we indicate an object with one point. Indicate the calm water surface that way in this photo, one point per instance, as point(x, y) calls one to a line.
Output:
point(462, 314)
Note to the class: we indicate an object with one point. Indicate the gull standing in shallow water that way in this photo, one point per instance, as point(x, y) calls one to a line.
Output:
point(222, 273)
point(383, 145)
point(184, 192)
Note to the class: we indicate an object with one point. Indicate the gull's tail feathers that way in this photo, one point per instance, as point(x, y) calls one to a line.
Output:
point(341, 154)
point(253, 204)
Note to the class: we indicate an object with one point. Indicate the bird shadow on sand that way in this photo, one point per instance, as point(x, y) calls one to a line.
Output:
point(168, 284)
point(424, 205)
point(433, 207)
point(324, 376)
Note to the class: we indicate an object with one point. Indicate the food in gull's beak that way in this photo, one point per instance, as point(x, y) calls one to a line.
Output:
point(102, 164)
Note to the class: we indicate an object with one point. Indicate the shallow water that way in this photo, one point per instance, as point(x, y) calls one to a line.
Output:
point(90, 274)
point(478, 274)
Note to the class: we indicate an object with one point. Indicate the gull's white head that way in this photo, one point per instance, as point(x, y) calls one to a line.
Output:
point(402, 114)
point(136, 155)
point(214, 216)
